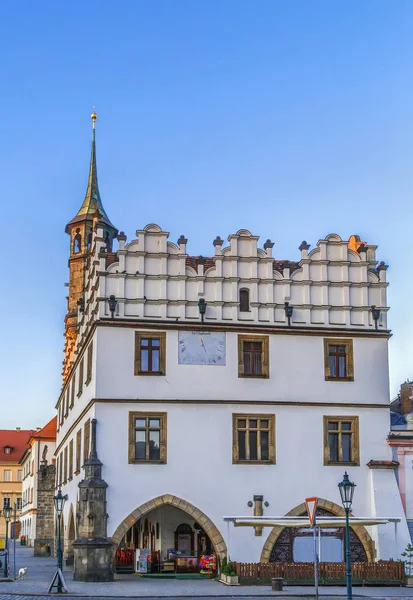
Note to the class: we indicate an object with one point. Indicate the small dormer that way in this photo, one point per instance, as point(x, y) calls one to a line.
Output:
point(8, 449)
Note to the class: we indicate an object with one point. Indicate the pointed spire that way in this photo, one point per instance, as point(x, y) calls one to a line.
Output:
point(92, 201)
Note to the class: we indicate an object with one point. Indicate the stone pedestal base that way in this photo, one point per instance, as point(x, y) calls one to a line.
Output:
point(93, 560)
point(44, 547)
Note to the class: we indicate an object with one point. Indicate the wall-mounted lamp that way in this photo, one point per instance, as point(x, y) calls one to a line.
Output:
point(202, 308)
point(376, 315)
point(112, 305)
point(288, 312)
point(81, 305)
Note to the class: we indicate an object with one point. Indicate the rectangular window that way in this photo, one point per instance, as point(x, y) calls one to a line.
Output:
point(61, 411)
point(67, 400)
point(86, 440)
point(72, 393)
point(6, 503)
point(89, 364)
point(7, 475)
point(70, 474)
point(253, 356)
point(18, 503)
point(65, 465)
point(20, 475)
point(338, 360)
point(253, 438)
point(31, 495)
point(60, 468)
point(147, 437)
point(80, 382)
point(341, 441)
point(150, 353)
point(78, 450)
point(244, 300)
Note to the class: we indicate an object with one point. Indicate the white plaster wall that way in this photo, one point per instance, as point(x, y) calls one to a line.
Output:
point(296, 372)
point(71, 487)
point(199, 466)
point(393, 538)
point(81, 402)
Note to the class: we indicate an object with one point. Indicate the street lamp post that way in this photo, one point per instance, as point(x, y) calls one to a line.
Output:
point(59, 503)
point(346, 488)
point(7, 515)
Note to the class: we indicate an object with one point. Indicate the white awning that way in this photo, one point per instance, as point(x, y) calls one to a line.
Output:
point(288, 521)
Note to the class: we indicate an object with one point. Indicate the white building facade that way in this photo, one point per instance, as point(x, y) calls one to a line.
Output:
point(236, 384)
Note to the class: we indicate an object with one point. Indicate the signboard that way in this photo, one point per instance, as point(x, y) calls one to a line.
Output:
point(311, 505)
point(1, 544)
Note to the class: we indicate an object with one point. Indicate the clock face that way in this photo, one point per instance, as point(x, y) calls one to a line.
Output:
point(201, 348)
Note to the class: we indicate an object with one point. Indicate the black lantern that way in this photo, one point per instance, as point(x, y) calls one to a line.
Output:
point(59, 502)
point(288, 312)
point(112, 305)
point(7, 516)
point(346, 488)
point(7, 513)
point(376, 315)
point(202, 308)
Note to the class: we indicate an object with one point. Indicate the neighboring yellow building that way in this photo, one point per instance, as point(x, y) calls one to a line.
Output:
point(13, 442)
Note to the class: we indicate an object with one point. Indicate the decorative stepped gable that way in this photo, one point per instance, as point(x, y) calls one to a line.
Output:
point(332, 286)
point(92, 549)
point(80, 229)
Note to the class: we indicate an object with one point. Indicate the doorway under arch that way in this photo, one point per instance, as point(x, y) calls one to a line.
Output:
point(148, 527)
point(360, 532)
point(70, 538)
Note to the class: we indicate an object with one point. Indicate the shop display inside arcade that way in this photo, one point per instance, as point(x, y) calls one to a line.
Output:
point(166, 541)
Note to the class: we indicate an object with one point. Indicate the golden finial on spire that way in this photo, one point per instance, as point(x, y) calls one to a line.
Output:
point(94, 117)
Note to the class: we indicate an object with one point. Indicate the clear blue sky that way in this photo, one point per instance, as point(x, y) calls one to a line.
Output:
point(290, 118)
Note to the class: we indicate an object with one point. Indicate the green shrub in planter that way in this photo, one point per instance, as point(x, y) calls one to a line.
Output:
point(229, 569)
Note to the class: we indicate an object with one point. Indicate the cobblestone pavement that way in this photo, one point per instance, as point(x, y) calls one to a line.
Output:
point(243, 597)
point(40, 572)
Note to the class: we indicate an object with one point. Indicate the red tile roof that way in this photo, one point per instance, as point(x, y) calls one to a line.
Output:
point(48, 431)
point(15, 439)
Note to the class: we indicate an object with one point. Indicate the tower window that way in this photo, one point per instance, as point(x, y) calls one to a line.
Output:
point(244, 300)
point(77, 243)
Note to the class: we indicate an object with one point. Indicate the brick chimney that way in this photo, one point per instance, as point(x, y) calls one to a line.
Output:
point(406, 396)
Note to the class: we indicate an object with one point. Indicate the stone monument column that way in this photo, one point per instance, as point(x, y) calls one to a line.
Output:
point(92, 549)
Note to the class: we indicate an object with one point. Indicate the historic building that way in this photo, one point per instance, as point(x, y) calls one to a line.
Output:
point(34, 462)
point(234, 384)
point(400, 440)
point(13, 443)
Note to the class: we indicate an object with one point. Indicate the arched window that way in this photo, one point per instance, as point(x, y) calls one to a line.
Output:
point(184, 539)
point(244, 300)
point(77, 243)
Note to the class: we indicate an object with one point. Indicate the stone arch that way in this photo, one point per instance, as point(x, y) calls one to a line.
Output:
point(70, 537)
point(361, 532)
point(207, 525)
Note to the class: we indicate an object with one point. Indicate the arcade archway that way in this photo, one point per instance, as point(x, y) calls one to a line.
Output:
point(171, 533)
point(280, 541)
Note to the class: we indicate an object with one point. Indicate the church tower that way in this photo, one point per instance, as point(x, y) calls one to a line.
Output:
point(80, 231)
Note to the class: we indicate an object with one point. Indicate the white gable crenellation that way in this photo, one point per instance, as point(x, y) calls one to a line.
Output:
point(333, 285)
